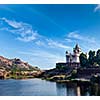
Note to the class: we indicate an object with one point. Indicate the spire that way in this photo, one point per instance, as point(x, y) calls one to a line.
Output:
point(77, 46)
point(76, 49)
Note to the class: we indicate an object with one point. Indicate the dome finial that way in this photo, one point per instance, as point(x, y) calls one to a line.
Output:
point(77, 46)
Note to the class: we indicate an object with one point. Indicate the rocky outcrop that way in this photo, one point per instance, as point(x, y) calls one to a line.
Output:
point(4, 62)
point(15, 63)
point(56, 72)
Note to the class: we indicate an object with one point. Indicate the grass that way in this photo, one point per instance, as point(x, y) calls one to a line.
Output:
point(14, 76)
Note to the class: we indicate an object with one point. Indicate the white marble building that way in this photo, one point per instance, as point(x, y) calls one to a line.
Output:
point(74, 57)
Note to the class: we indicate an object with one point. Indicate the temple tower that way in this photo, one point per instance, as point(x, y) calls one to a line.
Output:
point(76, 53)
point(73, 58)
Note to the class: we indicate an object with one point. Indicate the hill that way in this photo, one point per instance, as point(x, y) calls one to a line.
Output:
point(15, 63)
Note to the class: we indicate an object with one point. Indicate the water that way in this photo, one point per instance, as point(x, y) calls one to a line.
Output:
point(38, 87)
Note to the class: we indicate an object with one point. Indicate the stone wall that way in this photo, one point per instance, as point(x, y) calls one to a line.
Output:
point(73, 65)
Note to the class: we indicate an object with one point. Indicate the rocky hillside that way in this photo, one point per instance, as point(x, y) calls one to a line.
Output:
point(56, 72)
point(15, 63)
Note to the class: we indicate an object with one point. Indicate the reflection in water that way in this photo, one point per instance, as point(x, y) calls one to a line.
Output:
point(61, 89)
point(95, 90)
point(71, 89)
point(37, 87)
point(64, 89)
point(78, 89)
point(84, 88)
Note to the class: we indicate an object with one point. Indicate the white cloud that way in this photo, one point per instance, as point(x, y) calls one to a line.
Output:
point(27, 38)
point(76, 35)
point(40, 43)
point(24, 31)
point(43, 59)
point(97, 8)
point(54, 44)
point(68, 40)
point(12, 23)
point(41, 53)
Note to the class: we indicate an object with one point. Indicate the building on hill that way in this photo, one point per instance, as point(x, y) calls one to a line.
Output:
point(72, 59)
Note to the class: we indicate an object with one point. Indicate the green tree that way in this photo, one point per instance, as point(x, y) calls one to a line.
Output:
point(92, 57)
point(98, 57)
point(83, 60)
point(74, 73)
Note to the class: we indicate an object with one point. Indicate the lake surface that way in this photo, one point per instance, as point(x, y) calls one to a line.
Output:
point(38, 87)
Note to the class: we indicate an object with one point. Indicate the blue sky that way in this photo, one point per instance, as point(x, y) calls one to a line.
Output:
point(40, 34)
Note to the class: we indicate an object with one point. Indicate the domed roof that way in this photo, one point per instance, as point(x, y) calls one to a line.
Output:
point(66, 52)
